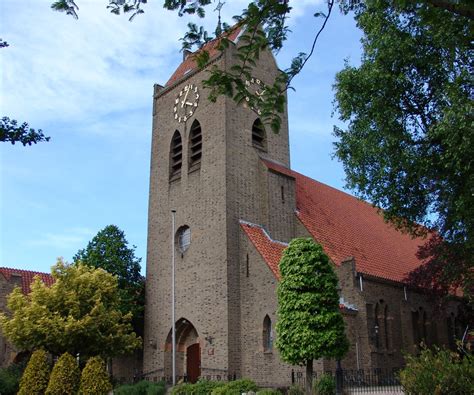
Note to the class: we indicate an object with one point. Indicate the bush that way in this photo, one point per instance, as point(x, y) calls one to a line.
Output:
point(325, 385)
point(295, 390)
point(10, 379)
point(36, 375)
point(141, 388)
point(235, 387)
point(439, 372)
point(65, 376)
point(202, 387)
point(182, 389)
point(268, 391)
point(156, 389)
point(94, 378)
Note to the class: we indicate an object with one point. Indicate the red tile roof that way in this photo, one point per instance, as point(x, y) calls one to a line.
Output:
point(269, 249)
point(346, 227)
point(27, 277)
point(190, 64)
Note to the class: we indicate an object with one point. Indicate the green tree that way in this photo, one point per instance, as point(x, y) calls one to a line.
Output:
point(94, 378)
point(310, 325)
point(78, 314)
point(11, 132)
point(109, 250)
point(10, 378)
point(36, 375)
point(409, 141)
point(65, 376)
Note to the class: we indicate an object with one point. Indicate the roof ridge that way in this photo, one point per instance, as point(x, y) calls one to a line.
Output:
point(264, 231)
point(224, 34)
point(189, 63)
point(319, 182)
point(23, 270)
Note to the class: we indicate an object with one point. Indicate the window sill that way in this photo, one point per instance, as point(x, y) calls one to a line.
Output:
point(194, 169)
point(175, 177)
point(259, 147)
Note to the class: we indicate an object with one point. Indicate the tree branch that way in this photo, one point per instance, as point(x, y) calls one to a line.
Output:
point(458, 9)
point(300, 67)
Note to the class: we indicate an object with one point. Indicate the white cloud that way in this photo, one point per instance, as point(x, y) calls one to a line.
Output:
point(57, 68)
point(303, 8)
point(66, 70)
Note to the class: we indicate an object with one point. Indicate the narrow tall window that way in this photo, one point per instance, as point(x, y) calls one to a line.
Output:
point(267, 334)
point(369, 307)
point(415, 320)
point(451, 332)
point(247, 268)
point(259, 138)
point(176, 156)
point(425, 329)
point(377, 326)
point(386, 329)
point(195, 146)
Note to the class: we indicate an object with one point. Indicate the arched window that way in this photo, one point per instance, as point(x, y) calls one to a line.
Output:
point(377, 326)
point(421, 326)
point(195, 146)
point(183, 238)
point(176, 156)
point(454, 331)
point(415, 320)
point(267, 334)
point(387, 331)
point(259, 137)
point(426, 329)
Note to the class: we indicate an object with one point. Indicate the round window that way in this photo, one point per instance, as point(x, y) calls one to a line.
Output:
point(184, 238)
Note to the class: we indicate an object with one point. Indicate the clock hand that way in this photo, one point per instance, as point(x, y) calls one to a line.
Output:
point(185, 96)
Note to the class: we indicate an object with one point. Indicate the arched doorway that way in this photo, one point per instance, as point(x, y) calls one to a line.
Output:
point(188, 352)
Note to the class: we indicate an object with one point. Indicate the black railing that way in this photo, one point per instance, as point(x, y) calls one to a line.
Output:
point(358, 381)
point(158, 375)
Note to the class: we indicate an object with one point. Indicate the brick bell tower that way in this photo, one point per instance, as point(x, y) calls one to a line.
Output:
point(206, 165)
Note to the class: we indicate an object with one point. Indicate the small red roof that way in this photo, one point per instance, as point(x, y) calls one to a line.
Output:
point(190, 64)
point(269, 249)
point(271, 252)
point(346, 227)
point(27, 277)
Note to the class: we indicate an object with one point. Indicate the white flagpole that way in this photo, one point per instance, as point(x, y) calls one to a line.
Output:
point(173, 327)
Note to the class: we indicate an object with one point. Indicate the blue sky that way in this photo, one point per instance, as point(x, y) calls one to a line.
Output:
point(88, 84)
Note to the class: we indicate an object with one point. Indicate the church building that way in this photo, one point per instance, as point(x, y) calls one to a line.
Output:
point(226, 180)
point(237, 205)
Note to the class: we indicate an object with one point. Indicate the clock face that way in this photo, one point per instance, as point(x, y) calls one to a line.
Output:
point(254, 85)
point(186, 103)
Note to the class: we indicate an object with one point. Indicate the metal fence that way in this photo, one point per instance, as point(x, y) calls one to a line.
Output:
point(376, 381)
point(207, 374)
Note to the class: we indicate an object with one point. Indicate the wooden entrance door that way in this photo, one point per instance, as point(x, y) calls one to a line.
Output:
point(193, 362)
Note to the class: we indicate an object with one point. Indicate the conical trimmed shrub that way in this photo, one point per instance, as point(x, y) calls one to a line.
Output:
point(65, 376)
point(94, 378)
point(36, 375)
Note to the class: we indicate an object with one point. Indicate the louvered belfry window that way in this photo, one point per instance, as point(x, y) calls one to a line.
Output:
point(195, 146)
point(176, 156)
point(259, 135)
